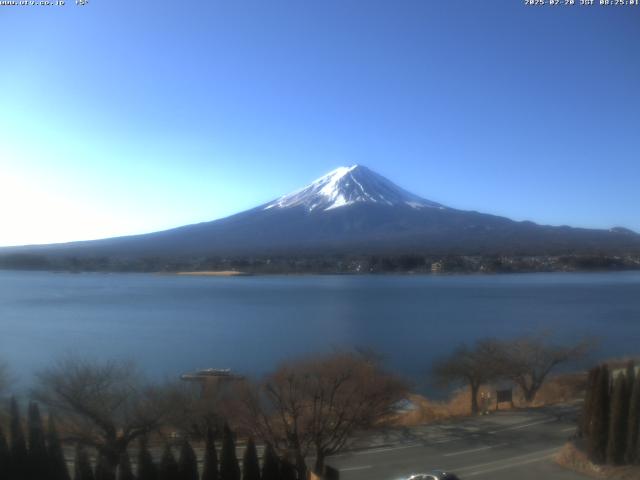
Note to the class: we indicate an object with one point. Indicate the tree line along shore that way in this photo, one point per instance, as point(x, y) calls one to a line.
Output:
point(105, 415)
point(328, 264)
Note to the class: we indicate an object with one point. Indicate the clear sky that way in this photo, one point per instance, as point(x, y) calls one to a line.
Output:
point(125, 117)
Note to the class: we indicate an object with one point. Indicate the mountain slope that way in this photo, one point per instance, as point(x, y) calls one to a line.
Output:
point(353, 210)
point(349, 186)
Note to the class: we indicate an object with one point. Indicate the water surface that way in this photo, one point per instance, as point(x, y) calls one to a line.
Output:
point(171, 324)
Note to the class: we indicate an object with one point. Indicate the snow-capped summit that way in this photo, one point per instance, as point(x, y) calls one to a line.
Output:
point(347, 186)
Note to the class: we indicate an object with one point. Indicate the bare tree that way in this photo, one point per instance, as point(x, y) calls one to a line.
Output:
point(194, 410)
point(474, 366)
point(188, 411)
point(105, 405)
point(527, 361)
point(314, 406)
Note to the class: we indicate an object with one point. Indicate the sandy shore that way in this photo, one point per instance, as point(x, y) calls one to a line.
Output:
point(219, 273)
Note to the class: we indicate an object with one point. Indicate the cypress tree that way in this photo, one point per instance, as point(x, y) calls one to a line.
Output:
point(599, 428)
point(4, 455)
point(124, 468)
point(83, 470)
point(287, 471)
point(19, 462)
point(250, 463)
point(147, 470)
point(188, 464)
point(57, 464)
point(229, 468)
point(632, 454)
point(168, 465)
point(618, 422)
point(631, 375)
point(587, 413)
point(270, 464)
point(210, 468)
point(38, 458)
point(104, 470)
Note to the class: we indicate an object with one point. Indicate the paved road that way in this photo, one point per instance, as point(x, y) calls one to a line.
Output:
point(502, 446)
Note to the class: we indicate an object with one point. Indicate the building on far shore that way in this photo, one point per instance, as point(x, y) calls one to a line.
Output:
point(436, 267)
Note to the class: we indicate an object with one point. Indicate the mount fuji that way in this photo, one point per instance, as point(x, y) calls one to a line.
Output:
point(348, 186)
point(352, 210)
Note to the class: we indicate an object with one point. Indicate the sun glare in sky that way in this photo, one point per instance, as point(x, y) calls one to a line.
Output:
point(35, 210)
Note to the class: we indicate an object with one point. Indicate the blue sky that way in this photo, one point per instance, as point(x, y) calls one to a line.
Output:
point(125, 117)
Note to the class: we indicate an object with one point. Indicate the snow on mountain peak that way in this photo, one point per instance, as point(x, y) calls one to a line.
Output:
point(347, 186)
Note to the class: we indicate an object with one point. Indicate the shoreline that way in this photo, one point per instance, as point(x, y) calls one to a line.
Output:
point(237, 273)
point(211, 273)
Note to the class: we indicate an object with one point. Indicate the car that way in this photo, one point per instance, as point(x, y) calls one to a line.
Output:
point(434, 475)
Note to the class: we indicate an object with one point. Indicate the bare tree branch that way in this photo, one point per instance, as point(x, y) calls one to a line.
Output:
point(474, 366)
point(527, 361)
point(104, 405)
point(313, 406)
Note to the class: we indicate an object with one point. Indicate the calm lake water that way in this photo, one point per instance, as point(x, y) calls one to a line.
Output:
point(171, 324)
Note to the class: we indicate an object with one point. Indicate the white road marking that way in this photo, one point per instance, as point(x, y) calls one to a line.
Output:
point(463, 452)
point(568, 429)
point(446, 440)
point(380, 450)
point(518, 427)
point(511, 465)
point(349, 469)
point(507, 463)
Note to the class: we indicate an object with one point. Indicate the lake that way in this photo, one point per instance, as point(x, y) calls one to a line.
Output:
point(173, 324)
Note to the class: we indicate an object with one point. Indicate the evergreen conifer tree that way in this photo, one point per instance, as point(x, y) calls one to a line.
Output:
point(287, 471)
point(38, 458)
point(188, 463)
point(599, 427)
point(632, 454)
point(19, 461)
point(104, 471)
point(587, 413)
point(83, 470)
point(618, 421)
point(4, 455)
point(270, 464)
point(147, 469)
point(125, 471)
point(168, 465)
point(57, 464)
point(210, 468)
point(631, 375)
point(250, 463)
point(229, 468)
